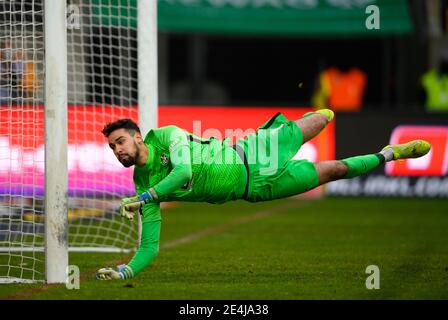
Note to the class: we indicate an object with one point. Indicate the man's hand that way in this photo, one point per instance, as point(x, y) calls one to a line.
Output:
point(130, 206)
point(121, 272)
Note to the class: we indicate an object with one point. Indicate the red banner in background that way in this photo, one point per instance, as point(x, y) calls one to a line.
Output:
point(92, 166)
point(435, 163)
point(235, 121)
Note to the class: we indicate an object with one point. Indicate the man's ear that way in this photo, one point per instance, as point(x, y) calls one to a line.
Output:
point(139, 137)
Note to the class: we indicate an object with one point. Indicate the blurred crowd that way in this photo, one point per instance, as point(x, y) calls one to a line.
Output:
point(17, 73)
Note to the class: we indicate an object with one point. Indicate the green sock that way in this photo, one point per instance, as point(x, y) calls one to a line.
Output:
point(360, 165)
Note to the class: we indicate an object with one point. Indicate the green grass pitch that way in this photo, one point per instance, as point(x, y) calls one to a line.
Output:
point(285, 249)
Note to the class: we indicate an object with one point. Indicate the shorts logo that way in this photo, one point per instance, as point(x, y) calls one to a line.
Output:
point(164, 159)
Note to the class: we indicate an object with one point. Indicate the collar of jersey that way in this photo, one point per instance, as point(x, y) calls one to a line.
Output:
point(150, 161)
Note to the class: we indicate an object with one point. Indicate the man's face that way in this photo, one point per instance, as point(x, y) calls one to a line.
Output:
point(125, 146)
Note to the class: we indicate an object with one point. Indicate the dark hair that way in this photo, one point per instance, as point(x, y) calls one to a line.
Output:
point(127, 124)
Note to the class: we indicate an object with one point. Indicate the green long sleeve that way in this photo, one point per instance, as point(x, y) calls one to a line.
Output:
point(179, 175)
point(179, 150)
point(149, 245)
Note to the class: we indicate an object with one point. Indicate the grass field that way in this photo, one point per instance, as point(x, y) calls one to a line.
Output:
point(286, 249)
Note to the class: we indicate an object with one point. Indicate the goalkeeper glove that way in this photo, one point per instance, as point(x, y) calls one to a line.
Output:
point(129, 206)
point(122, 272)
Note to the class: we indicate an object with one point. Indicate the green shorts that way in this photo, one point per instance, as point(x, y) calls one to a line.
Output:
point(272, 173)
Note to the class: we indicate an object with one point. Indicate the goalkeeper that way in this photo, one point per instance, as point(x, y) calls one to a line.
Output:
point(174, 165)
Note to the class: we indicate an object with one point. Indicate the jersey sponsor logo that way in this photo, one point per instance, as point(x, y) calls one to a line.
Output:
point(164, 159)
point(435, 163)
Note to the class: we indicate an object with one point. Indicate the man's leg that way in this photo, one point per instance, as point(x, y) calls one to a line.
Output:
point(298, 176)
point(355, 166)
point(347, 168)
point(314, 122)
point(330, 170)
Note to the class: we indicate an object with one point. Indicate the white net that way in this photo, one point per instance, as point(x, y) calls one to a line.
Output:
point(21, 132)
point(102, 87)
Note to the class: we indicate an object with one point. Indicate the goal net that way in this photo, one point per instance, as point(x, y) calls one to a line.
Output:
point(102, 86)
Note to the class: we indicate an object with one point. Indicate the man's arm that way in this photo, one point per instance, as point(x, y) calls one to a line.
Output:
point(176, 141)
point(147, 251)
point(179, 148)
point(149, 244)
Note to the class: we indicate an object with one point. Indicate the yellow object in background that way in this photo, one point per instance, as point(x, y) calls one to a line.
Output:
point(436, 88)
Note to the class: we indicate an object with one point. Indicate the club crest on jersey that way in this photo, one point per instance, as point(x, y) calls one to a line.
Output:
point(164, 159)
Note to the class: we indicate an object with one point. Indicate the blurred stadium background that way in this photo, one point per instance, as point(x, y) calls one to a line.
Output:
point(231, 64)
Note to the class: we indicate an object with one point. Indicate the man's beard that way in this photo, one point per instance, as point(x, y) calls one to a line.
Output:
point(130, 160)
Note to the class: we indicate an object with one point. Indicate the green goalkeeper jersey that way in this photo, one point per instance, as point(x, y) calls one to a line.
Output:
point(183, 167)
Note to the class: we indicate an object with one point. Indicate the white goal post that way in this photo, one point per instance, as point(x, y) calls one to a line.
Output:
point(55, 106)
point(66, 69)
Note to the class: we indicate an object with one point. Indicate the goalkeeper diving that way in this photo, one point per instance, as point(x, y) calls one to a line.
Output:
point(171, 164)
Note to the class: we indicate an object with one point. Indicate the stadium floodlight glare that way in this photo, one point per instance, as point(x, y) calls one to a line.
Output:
point(66, 68)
